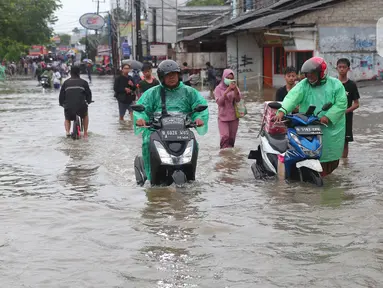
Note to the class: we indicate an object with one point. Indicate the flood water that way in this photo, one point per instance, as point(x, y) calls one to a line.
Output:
point(72, 216)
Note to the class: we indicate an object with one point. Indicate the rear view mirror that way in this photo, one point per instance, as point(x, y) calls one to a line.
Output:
point(327, 106)
point(138, 108)
point(200, 108)
point(275, 105)
point(310, 110)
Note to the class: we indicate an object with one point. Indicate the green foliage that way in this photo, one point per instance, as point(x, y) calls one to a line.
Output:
point(121, 15)
point(64, 39)
point(11, 49)
point(205, 3)
point(24, 23)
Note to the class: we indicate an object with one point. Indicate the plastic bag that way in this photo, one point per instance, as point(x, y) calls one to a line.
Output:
point(240, 109)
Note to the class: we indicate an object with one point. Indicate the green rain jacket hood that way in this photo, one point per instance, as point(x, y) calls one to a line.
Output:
point(304, 95)
point(182, 99)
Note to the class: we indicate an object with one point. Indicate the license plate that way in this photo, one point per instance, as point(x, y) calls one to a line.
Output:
point(309, 130)
point(175, 135)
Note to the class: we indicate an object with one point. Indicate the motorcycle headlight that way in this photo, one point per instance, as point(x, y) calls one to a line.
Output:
point(166, 158)
point(186, 157)
point(164, 155)
point(295, 138)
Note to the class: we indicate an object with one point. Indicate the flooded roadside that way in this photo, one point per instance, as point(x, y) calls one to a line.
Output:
point(72, 215)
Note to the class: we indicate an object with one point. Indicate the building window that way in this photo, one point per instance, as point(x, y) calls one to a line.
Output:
point(248, 5)
point(280, 61)
point(301, 57)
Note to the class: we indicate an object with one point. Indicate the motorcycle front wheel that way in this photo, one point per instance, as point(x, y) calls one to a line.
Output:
point(312, 176)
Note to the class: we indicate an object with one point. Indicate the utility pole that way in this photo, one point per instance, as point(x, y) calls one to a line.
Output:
point(162, 17)
point(138, 31)
point(155, 31)
point(98, 9)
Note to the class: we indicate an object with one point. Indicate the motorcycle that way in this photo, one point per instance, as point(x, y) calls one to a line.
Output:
point(293, 154)
point(104, 70)
point(173, 149)
point(44, 82)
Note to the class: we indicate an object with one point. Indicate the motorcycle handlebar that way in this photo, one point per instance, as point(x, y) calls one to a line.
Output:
point(151, 125)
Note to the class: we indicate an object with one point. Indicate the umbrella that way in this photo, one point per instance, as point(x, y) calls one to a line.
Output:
point(134, 64)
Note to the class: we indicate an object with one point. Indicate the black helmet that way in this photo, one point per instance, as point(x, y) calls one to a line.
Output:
point(166, 67)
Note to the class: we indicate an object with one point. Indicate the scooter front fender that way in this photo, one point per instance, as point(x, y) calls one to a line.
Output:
point(312, 164)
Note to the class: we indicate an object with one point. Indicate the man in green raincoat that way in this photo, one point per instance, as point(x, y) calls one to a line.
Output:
point(2, 72)
point(179, 98)
point(318, 89)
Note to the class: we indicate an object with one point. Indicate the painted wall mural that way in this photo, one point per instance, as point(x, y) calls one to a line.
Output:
point(347, 39)
point(244, 63)
point(364, 66)
point(358, 44)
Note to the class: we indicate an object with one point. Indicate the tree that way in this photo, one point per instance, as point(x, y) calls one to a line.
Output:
point(24, 23)
point(205, 3)
point(64, 39)
point(121, 15)
point(76, 31)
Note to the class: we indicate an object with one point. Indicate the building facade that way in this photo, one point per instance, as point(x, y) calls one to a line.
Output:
point(267, 36)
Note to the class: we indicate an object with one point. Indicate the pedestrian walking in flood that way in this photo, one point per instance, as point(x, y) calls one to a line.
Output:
point(149, 80)
point(124, 91)
point(343, 66)
point(226, 95)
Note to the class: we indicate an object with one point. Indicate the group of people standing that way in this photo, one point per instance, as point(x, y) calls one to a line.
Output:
point(318, 88)
point(127, 89)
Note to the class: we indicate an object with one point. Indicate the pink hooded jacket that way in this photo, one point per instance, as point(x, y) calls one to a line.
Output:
point(226, 110)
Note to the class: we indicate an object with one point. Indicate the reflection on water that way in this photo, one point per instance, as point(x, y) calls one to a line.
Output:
point(229, 164)
point(78, 172)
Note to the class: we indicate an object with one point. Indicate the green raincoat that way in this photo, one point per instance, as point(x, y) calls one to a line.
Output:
point(182, 99)
point(331, 90)
point(2, 73)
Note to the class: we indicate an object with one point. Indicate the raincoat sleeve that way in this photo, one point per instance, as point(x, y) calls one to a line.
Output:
point(197, 99)
point(293, 98)
point(147, 100)
point(337, 111)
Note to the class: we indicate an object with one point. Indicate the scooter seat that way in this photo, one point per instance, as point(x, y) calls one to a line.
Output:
point(277, 141)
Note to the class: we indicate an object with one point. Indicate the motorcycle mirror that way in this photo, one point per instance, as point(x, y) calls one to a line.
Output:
point(200, 108)
point(310, 110)
point(138, 108)
point(275, 105)
point(327, 106)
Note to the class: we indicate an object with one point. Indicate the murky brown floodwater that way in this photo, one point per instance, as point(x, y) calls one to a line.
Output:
point(72, 216)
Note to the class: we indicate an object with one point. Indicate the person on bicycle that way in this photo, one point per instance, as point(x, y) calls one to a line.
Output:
point(318, 89)
point(178, 98)
point(75, 95)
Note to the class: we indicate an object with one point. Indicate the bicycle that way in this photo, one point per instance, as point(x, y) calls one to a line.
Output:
point(77, 127)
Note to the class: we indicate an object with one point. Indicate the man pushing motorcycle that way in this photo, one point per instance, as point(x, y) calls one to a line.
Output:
point(179, 98)
point(318, 89)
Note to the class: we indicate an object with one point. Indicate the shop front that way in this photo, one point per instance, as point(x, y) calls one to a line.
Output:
point(282, 49)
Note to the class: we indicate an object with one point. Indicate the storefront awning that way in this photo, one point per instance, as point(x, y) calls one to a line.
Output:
point(265, 21)
point(238, 20)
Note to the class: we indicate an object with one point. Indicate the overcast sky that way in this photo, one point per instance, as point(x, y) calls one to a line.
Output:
point(72, 10)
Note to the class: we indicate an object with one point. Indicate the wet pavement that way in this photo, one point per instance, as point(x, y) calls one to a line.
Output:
point(72, 215)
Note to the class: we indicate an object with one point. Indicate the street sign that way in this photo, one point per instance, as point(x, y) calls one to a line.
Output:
point(92, 21)
point(158, 50)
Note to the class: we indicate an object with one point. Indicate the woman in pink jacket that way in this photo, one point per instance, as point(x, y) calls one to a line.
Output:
point(226, 95)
